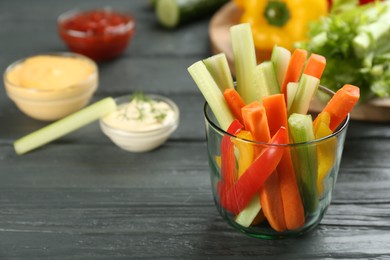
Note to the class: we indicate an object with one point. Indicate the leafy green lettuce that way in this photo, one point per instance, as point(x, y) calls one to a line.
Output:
point(356, 43)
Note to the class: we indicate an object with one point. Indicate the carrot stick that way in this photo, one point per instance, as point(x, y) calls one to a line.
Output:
point(255, 120)
point(341, 104)
point(295, 67)
point(315, 65)
point(292, 203)
point(275, 108)
point(234, 102)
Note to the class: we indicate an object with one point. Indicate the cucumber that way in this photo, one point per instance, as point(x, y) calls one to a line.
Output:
point(64, 126)
point(172, 13)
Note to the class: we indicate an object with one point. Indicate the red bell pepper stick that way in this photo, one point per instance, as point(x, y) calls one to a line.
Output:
point(228, 162)
point(237, 197)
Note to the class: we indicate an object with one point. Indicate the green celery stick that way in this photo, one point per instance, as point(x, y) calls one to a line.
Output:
point(245, 62)
point(247, 215)
point(307, 86)
point(267, 80)
point(305, 158)
point(292, 88)
point(219, 69)
point(64, 125)
point(280, 58)
point(211, 93)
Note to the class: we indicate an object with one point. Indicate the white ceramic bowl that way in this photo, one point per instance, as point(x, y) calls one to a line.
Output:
point(142, 141)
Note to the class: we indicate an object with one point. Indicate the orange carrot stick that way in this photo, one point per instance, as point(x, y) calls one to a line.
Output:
point(234, 102)
point(341, 104)
point(292, 203)
point(294, 68)
point(315, 65)
point(255, 120)
point(275, 108)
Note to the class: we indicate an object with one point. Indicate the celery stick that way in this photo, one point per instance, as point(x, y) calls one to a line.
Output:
point(292, 88)
point(245, 62)
point(219, 69)
point(247, 215)
point(64, 125)
point(307, 86)
point(305, 158)
point(211, 93)
point(267, 78)
point(280, 58)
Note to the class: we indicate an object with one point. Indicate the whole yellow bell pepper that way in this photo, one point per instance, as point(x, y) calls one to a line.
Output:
point(281, 22)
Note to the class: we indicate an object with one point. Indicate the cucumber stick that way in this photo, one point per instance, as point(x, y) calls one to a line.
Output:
point(281, 58)
point(211, 93)
point(266, 79)
point(172, 13)
point(218, 67)
point(245, 62)
point(64, 125)
point(307, 86)
point(305, 158)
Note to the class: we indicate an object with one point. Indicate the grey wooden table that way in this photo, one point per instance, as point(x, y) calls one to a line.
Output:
point(82, 197)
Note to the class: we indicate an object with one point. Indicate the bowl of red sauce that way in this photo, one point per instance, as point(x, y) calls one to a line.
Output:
point(101, 34)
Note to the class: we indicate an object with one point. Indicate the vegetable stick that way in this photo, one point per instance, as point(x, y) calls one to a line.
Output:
point(276, 112)
point(280, 58)
point(341, 104)
point(219, 69)
point(292, 88)
point(292, 203)
point(245, 62)
point(266, 77)
point(326, 150)
point(211, 93)
point(255, 118)
point(234, 102)
point(305, 159)
point(65, 125)
point(307, 87)
point(245, 159)
point(255, 121)
point(295, 67)
point(315, 65)
point(238, 196)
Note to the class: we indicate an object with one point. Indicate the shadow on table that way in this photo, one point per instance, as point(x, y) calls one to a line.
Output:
point(220, 239)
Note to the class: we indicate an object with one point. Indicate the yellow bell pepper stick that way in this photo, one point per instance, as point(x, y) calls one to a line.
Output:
point(326, 151)
point(245, 158)
point(281, 22)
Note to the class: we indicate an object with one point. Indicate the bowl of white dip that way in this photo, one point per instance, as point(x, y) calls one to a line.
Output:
point(141, 122)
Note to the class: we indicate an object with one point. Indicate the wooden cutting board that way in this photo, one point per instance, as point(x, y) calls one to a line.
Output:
point(376, 110)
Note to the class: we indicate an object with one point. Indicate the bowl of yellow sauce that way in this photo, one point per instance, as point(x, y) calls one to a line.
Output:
point(51, 86)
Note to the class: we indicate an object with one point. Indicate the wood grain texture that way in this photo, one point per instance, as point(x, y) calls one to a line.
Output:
point(81, 197)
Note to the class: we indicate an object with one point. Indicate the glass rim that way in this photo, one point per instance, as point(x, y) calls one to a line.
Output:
point(342, 127)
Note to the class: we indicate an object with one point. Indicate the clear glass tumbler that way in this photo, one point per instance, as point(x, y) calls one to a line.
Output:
point(297, 193)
